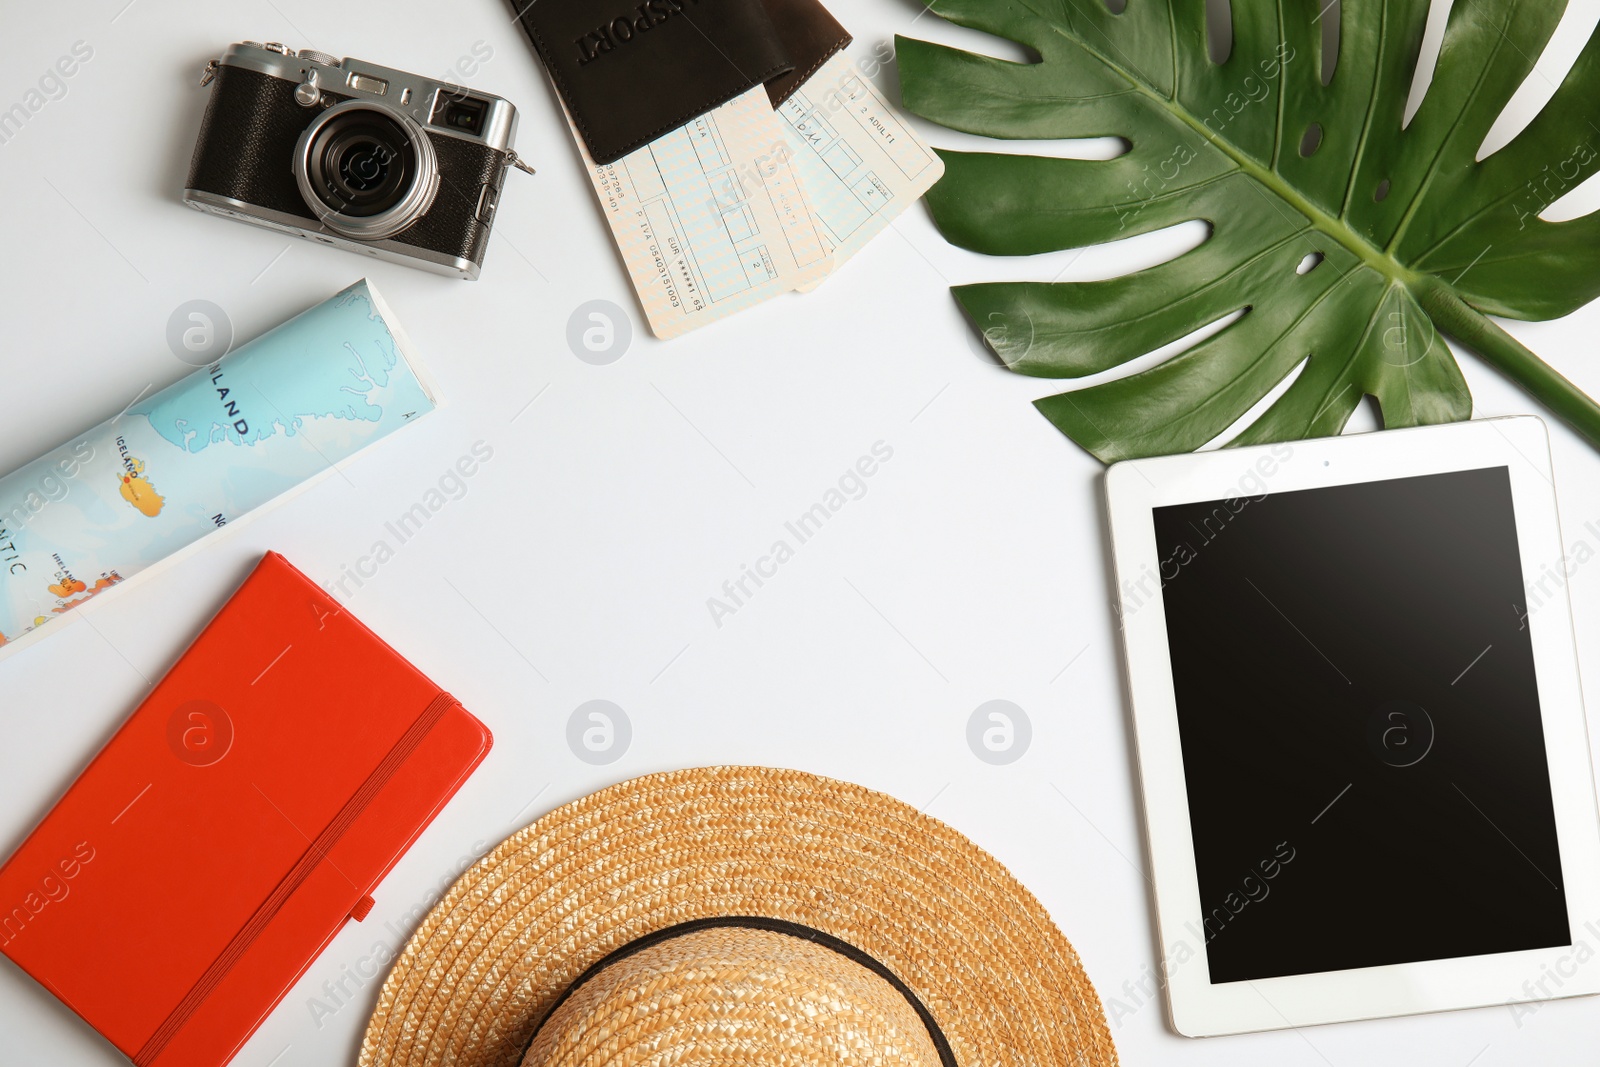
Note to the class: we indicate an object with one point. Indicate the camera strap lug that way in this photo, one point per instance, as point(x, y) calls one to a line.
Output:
point(208, 75)
point(520, 163)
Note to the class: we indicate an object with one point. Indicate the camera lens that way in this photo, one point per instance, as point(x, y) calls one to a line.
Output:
point(367, 171)
point(365, 166)
point(361, 163)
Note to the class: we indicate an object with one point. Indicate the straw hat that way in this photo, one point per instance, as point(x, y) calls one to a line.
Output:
point(737, 915)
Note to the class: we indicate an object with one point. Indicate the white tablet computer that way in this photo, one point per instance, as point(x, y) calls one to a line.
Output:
point(1360, 733)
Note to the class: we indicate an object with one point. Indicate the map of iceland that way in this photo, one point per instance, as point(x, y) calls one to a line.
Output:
point(334, 370)
point(206, 450)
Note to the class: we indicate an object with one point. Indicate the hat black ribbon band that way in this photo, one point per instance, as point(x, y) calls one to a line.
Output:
point(947, 1057)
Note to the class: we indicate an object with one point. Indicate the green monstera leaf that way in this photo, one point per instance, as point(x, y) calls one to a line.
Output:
point(1294, 163)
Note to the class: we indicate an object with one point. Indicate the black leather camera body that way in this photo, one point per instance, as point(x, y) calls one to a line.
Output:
point(346, 153)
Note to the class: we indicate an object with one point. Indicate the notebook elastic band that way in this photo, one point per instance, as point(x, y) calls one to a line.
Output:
point(308, 862)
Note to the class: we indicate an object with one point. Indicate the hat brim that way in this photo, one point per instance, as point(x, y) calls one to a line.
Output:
point(518, 928)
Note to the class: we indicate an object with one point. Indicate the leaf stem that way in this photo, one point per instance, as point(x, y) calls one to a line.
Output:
point(1485, 337)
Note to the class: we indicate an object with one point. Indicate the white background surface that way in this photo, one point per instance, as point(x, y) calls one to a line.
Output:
point(578, 563)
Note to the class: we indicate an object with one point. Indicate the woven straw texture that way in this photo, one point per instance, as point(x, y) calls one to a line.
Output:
point(734, 997)
point(518, 928)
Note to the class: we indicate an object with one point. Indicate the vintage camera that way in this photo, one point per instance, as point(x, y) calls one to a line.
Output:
point(350, 154)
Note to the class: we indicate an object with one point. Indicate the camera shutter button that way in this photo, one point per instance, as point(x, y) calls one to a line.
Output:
point(306, 94)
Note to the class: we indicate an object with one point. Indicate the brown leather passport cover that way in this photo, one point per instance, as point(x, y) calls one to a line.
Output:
point(631, 70)
point(810, 34)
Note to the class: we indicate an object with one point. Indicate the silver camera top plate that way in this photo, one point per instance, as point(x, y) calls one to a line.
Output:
point(423, 99)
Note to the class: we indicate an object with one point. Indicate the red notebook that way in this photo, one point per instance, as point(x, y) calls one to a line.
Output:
point(242, 815)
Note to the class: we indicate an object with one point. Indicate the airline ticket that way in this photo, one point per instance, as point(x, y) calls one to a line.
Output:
point(860, 164)
point(712, 217)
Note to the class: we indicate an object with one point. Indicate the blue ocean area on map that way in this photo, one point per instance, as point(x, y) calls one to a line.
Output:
point(242, 401)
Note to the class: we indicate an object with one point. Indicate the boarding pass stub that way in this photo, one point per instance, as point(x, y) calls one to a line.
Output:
point(861, 164)
point(711, 217)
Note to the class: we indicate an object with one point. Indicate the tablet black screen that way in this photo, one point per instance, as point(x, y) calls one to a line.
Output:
point(1360, 726)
